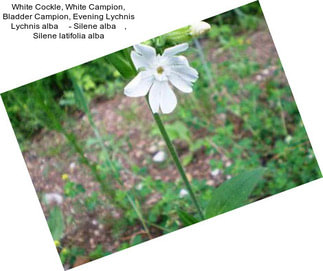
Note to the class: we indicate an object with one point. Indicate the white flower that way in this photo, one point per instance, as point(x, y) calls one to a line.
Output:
point(199, 28)
point(72, 166)
point(139, 186)
point(228, 163)
point(215, 172)
point(288, 139)
point(53, 198)
point(158, 73)
point(160, 157)
point(183, 193)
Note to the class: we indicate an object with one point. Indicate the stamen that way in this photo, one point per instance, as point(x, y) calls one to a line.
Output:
point(160, 70)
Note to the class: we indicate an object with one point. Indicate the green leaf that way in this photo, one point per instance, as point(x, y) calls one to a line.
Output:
point(92, 201)
point(234, 193)
point(186, 218)
point(79, 188)
point(72, 189)
point(56, 223)
point(98, 253)
point(80, 99)
point(187, 159)
point(136, 240)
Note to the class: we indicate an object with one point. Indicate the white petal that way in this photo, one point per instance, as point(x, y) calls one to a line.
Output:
point(145, 50)
point(215, 172)
point(175, 49)
point(180, 83)
point(140, 85)
point(155, 96)
point(188, 73)
point(199, 28)
point(139, 61)
point(168, 99)
point(177, 61)
point(182, 193)
point(160, 157)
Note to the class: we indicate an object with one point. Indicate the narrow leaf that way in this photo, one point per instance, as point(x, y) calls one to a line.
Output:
point(56, 223)
point(122, 62)
point(186, 218)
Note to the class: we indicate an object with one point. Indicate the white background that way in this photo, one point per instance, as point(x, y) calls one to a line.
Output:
point(283, 232)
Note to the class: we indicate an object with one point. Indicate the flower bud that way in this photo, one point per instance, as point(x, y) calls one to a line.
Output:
point(186, 33)
point(178, 36)
point(199, 28)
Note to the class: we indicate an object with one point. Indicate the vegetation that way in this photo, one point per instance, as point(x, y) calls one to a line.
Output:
point(239, 136)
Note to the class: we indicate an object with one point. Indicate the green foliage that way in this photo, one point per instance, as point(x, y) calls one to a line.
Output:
point(25, 108)
point(243, 18)
point(186, 218)
point(136, 240)
point(168, 210)
point(92, 201)
point(68, 256)
point(72, 189)
point(221, 32)
point(233, 193)
point(176, 130)
point(122, 62)
point(56, 223)
point(98, 253)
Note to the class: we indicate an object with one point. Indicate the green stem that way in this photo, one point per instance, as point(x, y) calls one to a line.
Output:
point(108, 162)
point(204, 63)
point(117, 178)
point(158, 227)
point(178, 164)
point(282, 116)
point(135, 206)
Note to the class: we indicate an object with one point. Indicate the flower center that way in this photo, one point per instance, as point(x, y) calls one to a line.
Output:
point(160, 70)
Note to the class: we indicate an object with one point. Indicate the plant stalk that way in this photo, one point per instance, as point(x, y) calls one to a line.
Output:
point(177, 162)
